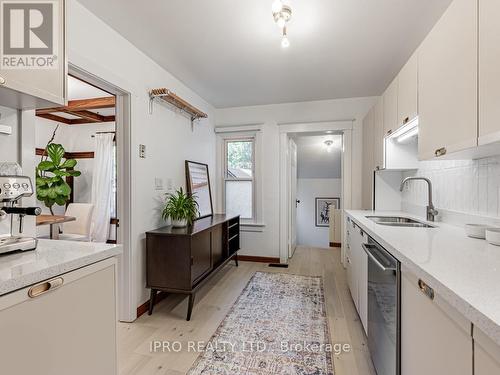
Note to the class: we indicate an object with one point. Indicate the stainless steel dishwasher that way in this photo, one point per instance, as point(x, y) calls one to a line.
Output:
point(384, 295)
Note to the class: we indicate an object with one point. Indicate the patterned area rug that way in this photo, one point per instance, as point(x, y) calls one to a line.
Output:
point(278, 325)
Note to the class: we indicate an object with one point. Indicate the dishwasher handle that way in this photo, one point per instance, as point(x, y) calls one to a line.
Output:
point(368, 250)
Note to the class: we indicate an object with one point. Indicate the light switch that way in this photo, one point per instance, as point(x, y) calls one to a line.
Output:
point(158, 183)
point(142, 151)
point(5, 129)
point(170, 185)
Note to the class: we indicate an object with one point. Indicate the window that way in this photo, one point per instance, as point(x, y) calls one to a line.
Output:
point(239, 177)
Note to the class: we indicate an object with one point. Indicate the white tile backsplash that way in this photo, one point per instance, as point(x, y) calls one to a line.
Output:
point(467, 186)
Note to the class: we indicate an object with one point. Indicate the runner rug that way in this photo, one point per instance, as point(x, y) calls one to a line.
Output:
point(278, 325)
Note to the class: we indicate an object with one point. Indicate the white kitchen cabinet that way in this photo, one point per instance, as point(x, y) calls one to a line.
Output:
point(368, 156)
point(378, 134)
point(358, 274)
point(40, 87)
point(489, 77)
point(486, 354)
point(69, 328)
point(447, 82)
point(407, 91)
point(390, 98)
point(435, 338)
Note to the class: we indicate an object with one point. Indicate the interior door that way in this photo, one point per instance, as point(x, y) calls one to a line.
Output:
point(293, 198)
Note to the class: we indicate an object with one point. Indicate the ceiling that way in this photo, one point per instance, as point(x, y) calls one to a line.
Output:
point(229, 52)
point(313, 159)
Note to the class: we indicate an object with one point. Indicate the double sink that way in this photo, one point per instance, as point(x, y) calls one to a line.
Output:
point(398, 221)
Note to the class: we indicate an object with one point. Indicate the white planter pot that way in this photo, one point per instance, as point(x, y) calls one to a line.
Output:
point(179, 223)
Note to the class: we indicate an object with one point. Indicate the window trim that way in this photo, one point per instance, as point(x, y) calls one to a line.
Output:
point(240, 138)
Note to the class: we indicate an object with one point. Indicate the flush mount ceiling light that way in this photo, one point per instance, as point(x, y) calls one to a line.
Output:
point(329, 145)
point(282, 13)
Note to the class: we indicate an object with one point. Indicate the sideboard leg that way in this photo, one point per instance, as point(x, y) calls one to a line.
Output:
point(190, 306)
point(236, 259)
point(152, 299)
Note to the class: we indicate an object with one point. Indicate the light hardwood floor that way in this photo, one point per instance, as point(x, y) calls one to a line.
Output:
point(213, 302)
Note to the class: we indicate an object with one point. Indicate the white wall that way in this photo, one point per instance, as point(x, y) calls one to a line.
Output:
point(98, 49)
point(308, 189)
point(266, 242)
point(9, 144)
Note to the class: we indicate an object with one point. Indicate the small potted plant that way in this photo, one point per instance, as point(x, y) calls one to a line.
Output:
point(181, 208)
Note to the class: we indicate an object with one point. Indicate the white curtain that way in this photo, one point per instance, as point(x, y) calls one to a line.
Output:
point(102, 188)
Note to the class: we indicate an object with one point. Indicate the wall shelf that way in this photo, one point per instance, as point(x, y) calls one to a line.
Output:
point(172, 99)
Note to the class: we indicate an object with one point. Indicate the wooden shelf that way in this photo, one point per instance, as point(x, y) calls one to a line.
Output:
point(172, 99)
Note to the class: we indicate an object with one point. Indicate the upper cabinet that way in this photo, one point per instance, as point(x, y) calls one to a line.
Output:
point(447, 82)
point(378, 134)
point(368, 165)
point(489, 71)
point(390, 98)
point(33, 70)
point(407, 91)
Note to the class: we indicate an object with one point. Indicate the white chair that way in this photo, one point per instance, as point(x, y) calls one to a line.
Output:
point(78, 230)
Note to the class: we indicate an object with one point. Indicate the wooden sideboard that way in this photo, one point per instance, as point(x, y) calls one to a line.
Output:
point(179, 260)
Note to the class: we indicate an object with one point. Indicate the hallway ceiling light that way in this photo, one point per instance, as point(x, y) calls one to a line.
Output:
point(329, 145)
point(282, 13)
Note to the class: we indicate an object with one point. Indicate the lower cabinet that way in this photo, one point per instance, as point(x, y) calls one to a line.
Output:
point(435, 338)
point(486, 354)
point(357, 272)
point(65, 325)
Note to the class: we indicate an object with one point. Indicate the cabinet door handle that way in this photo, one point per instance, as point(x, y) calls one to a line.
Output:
point(192, 260)
point(2, 80)
point(440, 151)
point(426, 289)
point(405, 121)
point(389, 132)
point(42, 288)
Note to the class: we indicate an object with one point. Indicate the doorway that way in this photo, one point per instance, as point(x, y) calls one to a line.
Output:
point(340, 133)
point(122, 138)
point(83, 132)
point(316, 188)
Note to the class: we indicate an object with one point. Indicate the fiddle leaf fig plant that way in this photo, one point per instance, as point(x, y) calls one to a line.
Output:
point(180, 207)
point(51, 173)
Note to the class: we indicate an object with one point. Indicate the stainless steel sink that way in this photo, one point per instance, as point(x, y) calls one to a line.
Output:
point(398, 221)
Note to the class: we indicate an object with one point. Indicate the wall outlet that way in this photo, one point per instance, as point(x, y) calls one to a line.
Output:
point(170, 185)
point(158, 183)
point(142, 151)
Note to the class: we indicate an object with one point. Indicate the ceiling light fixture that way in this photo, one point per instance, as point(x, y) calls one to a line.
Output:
point(329, 145)
point(285, 43)
point(282, 13)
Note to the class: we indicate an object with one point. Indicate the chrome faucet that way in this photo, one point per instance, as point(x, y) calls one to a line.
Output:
point(431, 211)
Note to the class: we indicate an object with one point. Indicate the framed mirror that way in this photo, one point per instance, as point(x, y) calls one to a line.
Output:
point(198, 183)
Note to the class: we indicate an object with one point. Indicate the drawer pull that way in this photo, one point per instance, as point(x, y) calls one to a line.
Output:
point(405, 121)
point(2, 81)
point(440, 151)
point(42, 288)
point(426, 289)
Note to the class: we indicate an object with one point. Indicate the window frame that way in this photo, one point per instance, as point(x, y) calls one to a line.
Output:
point(225, 178)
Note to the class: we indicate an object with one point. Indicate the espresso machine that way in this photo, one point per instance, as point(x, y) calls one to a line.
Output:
point(12, 189)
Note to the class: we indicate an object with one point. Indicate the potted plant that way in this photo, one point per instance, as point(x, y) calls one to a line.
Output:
point(181, 208)
point(51, 173)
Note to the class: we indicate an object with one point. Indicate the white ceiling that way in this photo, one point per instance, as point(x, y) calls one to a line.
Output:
point(313, 159)
point(229, 51)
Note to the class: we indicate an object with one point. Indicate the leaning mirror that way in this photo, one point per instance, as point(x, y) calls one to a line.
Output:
point(198, 183)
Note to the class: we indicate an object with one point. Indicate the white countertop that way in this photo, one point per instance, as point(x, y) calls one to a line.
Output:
point(51, 258)
point(463, 270)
